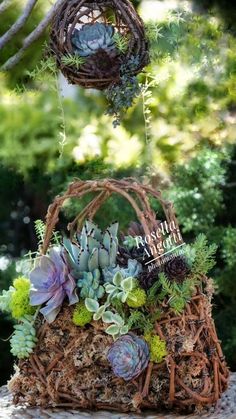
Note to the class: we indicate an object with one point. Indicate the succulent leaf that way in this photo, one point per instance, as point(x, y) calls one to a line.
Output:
point(93, 260)
point(113, 229)
point(97, 232)
point(103, 258)
point(107, 238)
point(112, 330)
point(91, 305)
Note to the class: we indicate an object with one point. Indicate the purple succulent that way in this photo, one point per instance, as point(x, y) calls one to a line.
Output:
point(128, 356)
point(51, 283)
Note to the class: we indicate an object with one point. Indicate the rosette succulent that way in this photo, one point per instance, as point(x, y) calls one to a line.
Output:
point(93, 249)
point(177, 268)
point(51, 283)
point(128, 356)
point(92, 38)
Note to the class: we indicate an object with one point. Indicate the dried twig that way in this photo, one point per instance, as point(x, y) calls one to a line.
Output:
point(18, 24)
point(32, 37)
point(4, 5)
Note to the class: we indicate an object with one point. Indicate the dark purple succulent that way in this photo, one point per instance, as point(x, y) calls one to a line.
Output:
point(128, 356)
point(177, 268)
point(51, 283)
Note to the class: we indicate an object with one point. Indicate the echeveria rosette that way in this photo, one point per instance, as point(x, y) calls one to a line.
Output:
point(93, 37)
point(51, 283)
point(129, 356)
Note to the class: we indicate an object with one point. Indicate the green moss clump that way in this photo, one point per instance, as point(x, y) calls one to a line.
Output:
point(20, 302)
point(81, 315)
point(157, 347)
point(136, 298)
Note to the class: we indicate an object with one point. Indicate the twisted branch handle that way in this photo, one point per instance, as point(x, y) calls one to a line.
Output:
point(105, 188)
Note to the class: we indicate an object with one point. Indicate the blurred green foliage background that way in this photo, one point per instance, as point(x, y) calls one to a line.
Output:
point(187, 148)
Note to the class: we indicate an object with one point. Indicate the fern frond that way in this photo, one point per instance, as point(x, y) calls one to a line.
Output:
point(40, 229)
point(121, 42)
point(204, 257)
point(152, 293)
point(73, 60)
point(46, 65)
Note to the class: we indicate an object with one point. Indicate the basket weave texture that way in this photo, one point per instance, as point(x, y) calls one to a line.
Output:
point(69, 367)
point(99, 70)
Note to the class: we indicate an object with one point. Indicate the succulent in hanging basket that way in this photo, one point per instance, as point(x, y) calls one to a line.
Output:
point(92, 38)
point(106, 34)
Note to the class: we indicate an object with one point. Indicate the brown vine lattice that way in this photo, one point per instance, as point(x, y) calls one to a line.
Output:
point(69, 366)
point(95, 72)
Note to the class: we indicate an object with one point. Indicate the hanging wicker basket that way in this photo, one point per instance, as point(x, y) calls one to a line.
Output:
point(69, 365)
point(109, 37)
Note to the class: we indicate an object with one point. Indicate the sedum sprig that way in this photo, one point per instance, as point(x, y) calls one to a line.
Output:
point(23, 340)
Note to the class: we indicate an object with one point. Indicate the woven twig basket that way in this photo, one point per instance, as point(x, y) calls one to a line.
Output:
point(69, 366)
point(94, 73)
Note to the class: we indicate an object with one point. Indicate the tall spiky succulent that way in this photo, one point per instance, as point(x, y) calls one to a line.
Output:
point(24, 338)
point(92, 250)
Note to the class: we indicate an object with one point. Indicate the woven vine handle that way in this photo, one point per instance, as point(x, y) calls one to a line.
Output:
point(128, 188)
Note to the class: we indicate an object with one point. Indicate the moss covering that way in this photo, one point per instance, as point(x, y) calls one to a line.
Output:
point(136, 298)
point(157, 347)
point(81, 315)
point(19, 302)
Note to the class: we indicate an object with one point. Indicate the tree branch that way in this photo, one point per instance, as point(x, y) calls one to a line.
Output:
point(32, 37)
point(4, 5)
point(18, 24)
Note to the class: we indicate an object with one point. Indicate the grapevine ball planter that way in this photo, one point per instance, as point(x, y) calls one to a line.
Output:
point(107, 36)
point(75, 367)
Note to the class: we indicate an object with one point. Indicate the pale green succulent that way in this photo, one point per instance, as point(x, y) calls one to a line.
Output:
point(120, 287)
point(132, 270)
point(93, 250)
point(117, 326)
point(90, 285)
point(24, 338)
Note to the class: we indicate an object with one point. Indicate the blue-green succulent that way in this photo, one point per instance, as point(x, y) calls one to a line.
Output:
point(92, 249)
point(90, 285)
point(92, 38)
point(133, 270)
